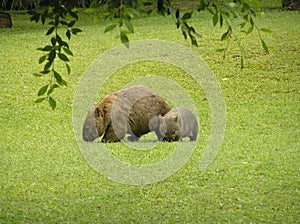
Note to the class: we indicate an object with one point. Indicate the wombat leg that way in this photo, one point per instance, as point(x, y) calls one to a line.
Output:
point(133, 138)
point(109, 140)
point(160, 139)
point(159, 136)
point(193, 138)
point(110, 136)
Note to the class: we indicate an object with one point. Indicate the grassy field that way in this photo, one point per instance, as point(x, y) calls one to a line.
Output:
point(255, 177)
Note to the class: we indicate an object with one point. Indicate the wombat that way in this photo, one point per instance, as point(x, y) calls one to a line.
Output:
point(5, 20)
point(125, 111)
point(175, 125)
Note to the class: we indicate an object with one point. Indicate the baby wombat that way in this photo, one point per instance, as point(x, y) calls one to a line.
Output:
point(175, 125)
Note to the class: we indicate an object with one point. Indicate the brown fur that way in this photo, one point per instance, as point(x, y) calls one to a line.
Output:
point(126, 111)
point(5, 20)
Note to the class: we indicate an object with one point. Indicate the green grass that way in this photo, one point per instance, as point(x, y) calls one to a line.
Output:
point(255, 177)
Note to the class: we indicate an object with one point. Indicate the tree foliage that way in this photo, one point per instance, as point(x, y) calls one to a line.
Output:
point(59, 16)
point(235, 15)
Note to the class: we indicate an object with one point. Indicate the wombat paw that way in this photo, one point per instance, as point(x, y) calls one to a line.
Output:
point(133, 138)
point(104, 140)
point(193, 138)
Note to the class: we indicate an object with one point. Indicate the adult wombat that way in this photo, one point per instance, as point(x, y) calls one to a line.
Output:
point(5, 20)
point(175, 125)
point(125, 111)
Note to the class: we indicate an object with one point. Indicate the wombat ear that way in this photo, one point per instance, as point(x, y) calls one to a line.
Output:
point(160, 119)
point(97, 112)
point(177, 117)
point(153, 123)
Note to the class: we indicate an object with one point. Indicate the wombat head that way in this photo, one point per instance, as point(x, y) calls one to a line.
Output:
point(94, 124)
point(166, 128)
point(171, 127)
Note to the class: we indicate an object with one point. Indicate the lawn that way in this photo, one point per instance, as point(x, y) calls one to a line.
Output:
point(255, 177)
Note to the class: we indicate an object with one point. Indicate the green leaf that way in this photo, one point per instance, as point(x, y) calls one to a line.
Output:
point(184, 33)
point(52, 103)
point(215, 18)
point(74, 14)
point(250, 30)
point(75, 30)
point(72, 23)
point(52, 55)
point(129, 25)
point(221, 20)
point(42, 59)
point(68, 68)
point(61, 42)
point(64, 23)
point(65, 44)
point(46, 48)
point(51, 29)
point(194, 42)
point(193, 39)
point(51, 89)
point(68, 51)
point(63, 57)
point(243, 25)
point(56, 20)
point(57, 77)
point(187, 15)
point(192, 29)
point(221, 50)
point(251, 21)
point(63, 83)
point(110, 27)
point(265, 30)
point(224, 36)
point(37, 74)
point(58, 38)
point(202, 5)
point(53, 41)
point(242, 62)
point(68, 34)
point(124, 39)
point(48, 65)
point(177, 13)
point(43, 90)
point(90, 10)
point(265, 46)
point(245, 7)
point(45, 72)
point(40, 99)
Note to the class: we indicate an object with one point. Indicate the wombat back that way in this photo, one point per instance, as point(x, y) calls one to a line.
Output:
point(128, 110)
point(188, 123)
point(136, 105)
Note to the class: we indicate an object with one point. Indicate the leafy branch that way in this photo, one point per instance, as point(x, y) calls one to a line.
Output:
point(238, 16)
point(124, 15)
point(235, 15)
point(58, 49)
